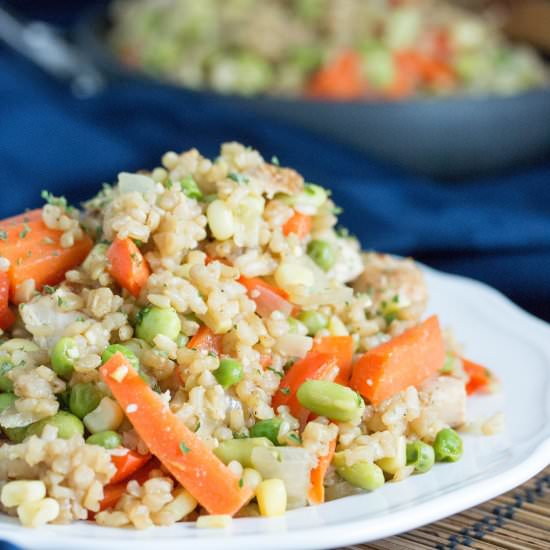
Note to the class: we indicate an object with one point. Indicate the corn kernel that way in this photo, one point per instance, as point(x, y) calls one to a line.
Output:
point(220, 220)
point(271, 496)
point(36, 514)
point(251, 478)
point(213, 522)
point(15, 493)
point(107, 415)
point(336, 327)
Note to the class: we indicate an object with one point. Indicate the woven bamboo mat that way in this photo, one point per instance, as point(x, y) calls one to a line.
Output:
point(518, 520)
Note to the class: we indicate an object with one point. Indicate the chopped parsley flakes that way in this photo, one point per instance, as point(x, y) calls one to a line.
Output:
point(238, 178)
point(26, 230)
point(184, 448)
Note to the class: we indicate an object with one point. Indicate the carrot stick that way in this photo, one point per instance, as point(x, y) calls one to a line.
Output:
point(314, 366)
point(407, 360)
point(128, 464)
point(299, 224)
point(340, 79)
point(206, 340)
point(7, 317)
point(268, 298)
point(127, 265)
point(479, 377)
point(180, 450)
point(339, 347)
point(35, 253)
point(316, 493)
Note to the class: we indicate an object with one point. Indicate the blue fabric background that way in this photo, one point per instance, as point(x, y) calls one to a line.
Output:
point(496, 229)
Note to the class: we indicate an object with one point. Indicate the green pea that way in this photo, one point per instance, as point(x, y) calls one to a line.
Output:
point(5, 383)
point(114, 348)
point(152, 321)
point(107, 439)
point(267, 428)
point(64, 354)
point(421, 456)
point(365, 475)
point(190, 188)
point(84, 399)
point(6, 400)
point(332, 400)
point(67, 425)
point(313, 321)
point(229, 372)
point(322, 253)
point(447, 446)
point(240, 450)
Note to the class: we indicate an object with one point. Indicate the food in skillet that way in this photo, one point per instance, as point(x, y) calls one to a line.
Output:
point(201, 341)
point(329, 49)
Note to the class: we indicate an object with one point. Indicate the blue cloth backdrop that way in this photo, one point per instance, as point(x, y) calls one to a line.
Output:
point(496, 229)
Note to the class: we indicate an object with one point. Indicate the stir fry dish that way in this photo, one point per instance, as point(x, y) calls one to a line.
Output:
point(202, 341)
point(324, 49)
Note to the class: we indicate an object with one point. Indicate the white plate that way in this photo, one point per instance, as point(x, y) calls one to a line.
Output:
point(495, 333)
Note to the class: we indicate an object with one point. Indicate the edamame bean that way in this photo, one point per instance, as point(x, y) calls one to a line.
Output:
point(313, 321)
point(240, 450)
point(107, 439)
point(5, 383)
point(447, 446)
point(190, 188)
point(267, 428)
point(67, 425)
point(332, 400)
point(119, 348)
point(152, 321)
point(6, 400)
point(84, 399)
point(15, 435)
point(366, 475)
point(229, 372)
point(421, 456)
point(64, 354)
point(322, 253)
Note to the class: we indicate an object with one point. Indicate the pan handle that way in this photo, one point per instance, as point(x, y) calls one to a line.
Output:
point(48, 48)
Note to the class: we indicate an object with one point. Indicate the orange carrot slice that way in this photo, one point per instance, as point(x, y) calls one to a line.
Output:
point(180, 450)
point(340, 79)
point(128, 464)
point(268, 298)
point(316, 366)
point(127, 265)
point(316, 493)
point(7, 317)
point(299, 224)
point(479, 377)
point(407, 360)
point(339, 347)
point(206, 340)
point(35, 253)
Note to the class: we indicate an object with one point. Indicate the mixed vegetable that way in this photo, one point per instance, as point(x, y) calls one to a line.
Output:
point(331, 385)
point(322, 48)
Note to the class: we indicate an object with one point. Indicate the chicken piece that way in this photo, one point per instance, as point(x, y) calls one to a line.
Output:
point(396, 286)
point(443, 404)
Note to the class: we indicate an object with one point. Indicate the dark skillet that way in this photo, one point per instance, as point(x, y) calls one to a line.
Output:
point(447, 138)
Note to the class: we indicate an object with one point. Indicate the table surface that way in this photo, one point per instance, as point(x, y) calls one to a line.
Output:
point(518, 520)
